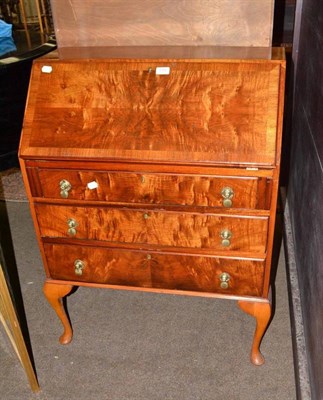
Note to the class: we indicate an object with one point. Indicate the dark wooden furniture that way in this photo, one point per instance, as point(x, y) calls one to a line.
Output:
point(156, 174)
point(305, 190)
point(15, 70)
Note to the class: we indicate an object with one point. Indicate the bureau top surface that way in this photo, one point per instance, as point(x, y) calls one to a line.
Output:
point(158, 110)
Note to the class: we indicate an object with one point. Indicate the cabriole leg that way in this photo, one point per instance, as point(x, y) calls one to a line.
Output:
point(54, 293)
point(261, 312)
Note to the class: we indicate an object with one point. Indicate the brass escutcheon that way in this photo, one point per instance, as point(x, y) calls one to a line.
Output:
point(72, 224)
point(146, 216)
point(227, 194)
point(79, 266)
point(224, 280)
point(65, 187)
point(226, 236)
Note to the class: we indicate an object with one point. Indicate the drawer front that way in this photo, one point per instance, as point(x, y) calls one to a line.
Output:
point(156, 228)
point(150, 188)
point(155, 270)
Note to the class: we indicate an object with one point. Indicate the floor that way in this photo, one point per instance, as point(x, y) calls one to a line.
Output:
point(142, 346)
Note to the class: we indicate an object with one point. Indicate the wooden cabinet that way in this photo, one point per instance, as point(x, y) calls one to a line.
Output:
point(156, 174)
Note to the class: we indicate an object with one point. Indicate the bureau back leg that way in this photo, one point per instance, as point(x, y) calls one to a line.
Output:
point(54, 293)
point(261, 312)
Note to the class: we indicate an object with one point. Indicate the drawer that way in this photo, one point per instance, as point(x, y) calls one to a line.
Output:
point(155, 270)
point(153, 188)
point(154, 227)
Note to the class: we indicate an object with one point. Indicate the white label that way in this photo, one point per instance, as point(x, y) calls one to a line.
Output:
point(93, 185)
point(251, 169)
point(162, 70)
point(47, 69)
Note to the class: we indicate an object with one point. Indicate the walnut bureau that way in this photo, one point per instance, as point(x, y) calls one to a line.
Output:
point(156, 174)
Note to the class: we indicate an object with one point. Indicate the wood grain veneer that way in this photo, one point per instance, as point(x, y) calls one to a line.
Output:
point(153, 188)
point(125, 112)
point(155, 270)
point(154, 227)
point(159, 150)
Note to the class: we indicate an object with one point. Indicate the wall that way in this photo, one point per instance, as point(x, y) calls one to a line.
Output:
point(305, 191)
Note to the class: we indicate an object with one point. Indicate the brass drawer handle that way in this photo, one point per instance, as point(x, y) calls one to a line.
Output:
point(72, 224)
point(227, 194)
point(65, 187)
point(146, 216)
point(224, 280)
point(226, 236)
point(79, 266)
